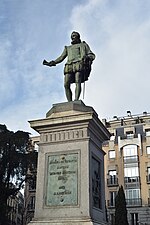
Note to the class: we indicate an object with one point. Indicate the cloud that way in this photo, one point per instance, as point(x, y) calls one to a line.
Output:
point(118, 32)
point(27, 88)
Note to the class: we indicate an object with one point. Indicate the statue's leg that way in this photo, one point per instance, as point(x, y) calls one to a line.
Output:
point(67, 83)
point(78, 85)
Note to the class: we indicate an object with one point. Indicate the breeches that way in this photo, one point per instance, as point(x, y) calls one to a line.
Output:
point(73, 67)
point(72, 78)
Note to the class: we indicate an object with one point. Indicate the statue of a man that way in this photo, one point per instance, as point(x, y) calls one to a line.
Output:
point(78, 66)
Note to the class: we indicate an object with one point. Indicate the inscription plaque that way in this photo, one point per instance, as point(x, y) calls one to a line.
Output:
point(62, 180)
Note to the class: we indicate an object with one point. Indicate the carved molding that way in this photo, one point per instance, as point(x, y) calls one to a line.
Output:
point(64, 135)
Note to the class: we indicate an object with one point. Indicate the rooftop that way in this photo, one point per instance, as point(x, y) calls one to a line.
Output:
point(127, 120)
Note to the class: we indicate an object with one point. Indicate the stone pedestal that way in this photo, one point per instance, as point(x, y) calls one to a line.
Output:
point(70, 176)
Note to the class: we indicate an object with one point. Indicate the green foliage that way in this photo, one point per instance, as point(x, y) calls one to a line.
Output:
point(16, 157)
point(120, 208)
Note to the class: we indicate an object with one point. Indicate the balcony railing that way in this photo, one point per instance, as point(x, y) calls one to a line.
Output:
point(129, 136)
point(134, 202)
point(129, 202)
point(132, 182)
point(131, 159)
point(112, 181)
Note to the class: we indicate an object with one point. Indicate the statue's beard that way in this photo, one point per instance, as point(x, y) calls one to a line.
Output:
point(76, 41)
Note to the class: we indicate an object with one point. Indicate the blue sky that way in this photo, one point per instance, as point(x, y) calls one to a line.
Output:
point(118, 32)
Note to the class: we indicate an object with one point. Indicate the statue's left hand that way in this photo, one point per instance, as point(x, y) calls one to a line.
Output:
point(85, 59)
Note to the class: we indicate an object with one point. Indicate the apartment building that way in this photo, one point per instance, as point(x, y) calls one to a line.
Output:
point(16, 204)
point(30, 189)
point(127, 163)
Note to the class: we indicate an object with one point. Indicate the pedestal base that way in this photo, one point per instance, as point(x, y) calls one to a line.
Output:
point(67, 222)
point(70, 175)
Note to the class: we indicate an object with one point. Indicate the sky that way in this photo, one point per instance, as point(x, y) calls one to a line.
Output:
point(117, 31)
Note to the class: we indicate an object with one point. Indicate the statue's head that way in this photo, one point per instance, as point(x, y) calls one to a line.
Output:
point(75, 37)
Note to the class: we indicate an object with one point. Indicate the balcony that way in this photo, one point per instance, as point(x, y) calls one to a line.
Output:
point(129, 202)
point(129, 136)
point(132, 182)
point(131, 159)
point(148, 178)
point(112, 181)
point(134, 202)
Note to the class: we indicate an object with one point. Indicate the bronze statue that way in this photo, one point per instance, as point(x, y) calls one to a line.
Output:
point(78, 66)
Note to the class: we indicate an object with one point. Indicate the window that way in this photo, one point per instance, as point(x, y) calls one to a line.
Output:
point(112, 154)
point(112, 180)
point(32, 184)
point(129, 134)
point(133, 197)
point(36, 147)
point(148, 150)
point(130, 153)
point(131, 172)
point(148, 174)
point(132, 193)
point(130, 150)
point(31, 205)
point(149, 193)
point(112, 172)
point(147, 131)
point(134, 219)
point(112, 198)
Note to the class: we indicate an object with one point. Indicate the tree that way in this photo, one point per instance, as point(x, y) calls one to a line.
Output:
point(120, 208)
point(16, 156)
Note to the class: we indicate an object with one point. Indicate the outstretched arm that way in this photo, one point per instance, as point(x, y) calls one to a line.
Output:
point(56, 61)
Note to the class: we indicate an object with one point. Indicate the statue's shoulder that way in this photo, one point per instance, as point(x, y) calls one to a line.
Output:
point(84, 42)
point(67, 47)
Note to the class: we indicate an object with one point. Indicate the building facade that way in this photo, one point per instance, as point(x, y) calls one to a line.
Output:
point(127, 163)
point(16, 204)
point(30, 189)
